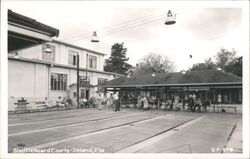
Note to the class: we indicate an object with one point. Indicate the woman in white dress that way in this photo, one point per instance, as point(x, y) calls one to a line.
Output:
point(219, 98)
point(98, 100)
point(145, 101)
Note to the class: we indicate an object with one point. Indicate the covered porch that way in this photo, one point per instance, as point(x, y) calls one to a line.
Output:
point(215, 88)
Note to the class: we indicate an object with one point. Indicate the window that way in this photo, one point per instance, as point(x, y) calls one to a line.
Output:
point(83, 81)
point(92, 61)
point(72, 57)
point(102, 80)
point(49, 56)
point(58, 81)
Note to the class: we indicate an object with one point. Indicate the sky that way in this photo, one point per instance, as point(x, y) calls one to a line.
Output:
point(198, 31)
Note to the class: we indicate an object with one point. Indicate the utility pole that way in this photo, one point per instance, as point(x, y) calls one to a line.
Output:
point(86, 75)
point(77, 83)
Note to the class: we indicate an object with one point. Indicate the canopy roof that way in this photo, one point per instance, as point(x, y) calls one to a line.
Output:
point(208, 77)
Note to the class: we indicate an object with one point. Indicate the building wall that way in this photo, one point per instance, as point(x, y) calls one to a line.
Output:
point(34, 52)
point(28, 80)
point(72, 79)
point(32, 80)
point(62, 54)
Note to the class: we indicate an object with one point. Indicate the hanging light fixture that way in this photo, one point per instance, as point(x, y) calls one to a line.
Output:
point(170, 18)
point(95, 38)
point(47, 49)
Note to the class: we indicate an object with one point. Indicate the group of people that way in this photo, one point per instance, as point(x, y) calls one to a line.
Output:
point(195, 103)
point(64, 103)
point(101, 101)
point(191, 102)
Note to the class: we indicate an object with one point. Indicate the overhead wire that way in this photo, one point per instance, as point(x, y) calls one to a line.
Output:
point(114, 26)
point(153, 20)
point(130, 26)
point(119, 26)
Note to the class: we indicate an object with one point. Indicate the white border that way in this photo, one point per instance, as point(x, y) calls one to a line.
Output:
point(135, 4)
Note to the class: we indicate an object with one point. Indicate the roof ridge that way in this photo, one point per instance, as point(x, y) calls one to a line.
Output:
point(231, 74)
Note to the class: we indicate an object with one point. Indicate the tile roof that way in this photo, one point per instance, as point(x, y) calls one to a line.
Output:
point(177, 78)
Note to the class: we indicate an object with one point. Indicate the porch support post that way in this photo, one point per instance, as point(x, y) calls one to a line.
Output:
point(214, 100)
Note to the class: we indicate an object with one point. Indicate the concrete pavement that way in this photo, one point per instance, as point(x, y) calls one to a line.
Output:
point(130, 130)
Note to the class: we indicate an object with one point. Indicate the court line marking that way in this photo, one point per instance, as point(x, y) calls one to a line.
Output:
point(151, 140)
point(77, 137)
point(56, 112)
point(41, 121)
point(73, 124)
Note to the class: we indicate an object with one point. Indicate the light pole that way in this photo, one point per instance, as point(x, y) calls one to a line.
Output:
point(93, 40)
point(87, 57)
point(47, 50)
point(77, 80)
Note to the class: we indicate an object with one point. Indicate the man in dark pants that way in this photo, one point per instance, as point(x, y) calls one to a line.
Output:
point(117, 102)
point(191, 103)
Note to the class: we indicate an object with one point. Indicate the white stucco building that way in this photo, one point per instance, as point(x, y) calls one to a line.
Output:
point(35, 74)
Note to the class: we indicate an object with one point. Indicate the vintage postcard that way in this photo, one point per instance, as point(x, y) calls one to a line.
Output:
point(125, 79)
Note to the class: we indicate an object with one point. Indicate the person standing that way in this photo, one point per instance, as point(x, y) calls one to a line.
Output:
point(191, 103)
point(125, 100)
point(98, 100)
point(176, 102)
point(168, 105)
point(117, 102)
point(104, 101)
point(112, 100)
point(145, 103)
point(199, 104)
point(108, 101)
point(219, 98)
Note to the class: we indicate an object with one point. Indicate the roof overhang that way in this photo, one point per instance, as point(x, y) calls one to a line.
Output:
point(25, 32)
point(175, 85)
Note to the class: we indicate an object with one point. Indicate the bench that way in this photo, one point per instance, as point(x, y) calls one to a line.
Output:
point(41, 105)
point(220, 107)
point(45, 105)
point(22, 107)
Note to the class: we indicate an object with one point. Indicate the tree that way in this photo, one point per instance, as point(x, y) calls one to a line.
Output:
point(226, 60)
point(117, 62)
point(224, 57)
point(229, 62)
point(154, 63)
point(207, 65)
point(235, 67)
